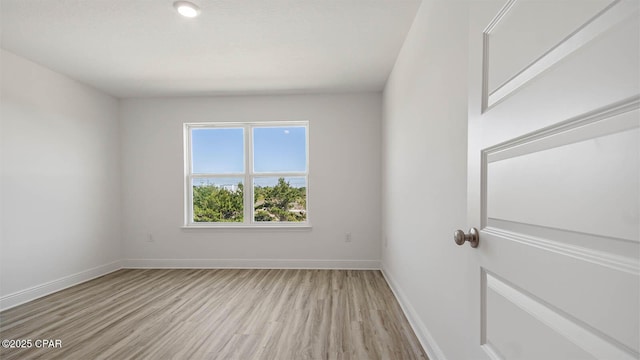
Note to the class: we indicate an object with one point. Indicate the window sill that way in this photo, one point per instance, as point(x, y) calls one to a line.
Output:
point(248, 227)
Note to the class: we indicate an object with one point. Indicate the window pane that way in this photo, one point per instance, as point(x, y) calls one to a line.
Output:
point(217, 200)
point(280, 199)
point(217, 151)
point(280, 149)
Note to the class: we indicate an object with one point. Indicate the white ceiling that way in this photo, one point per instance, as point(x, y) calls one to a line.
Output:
point(140, 48)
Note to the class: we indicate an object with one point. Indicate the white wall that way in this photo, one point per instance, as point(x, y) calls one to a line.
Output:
point(60, 190)
point(424, 176)
point(344, 183)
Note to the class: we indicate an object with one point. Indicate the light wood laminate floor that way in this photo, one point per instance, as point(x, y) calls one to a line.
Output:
point(217, 314)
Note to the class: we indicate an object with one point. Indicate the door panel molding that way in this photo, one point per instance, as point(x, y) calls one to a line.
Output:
point(616, 262)
point(584, 336)
point(616, 12)
point(614, 118)
point(549, 137)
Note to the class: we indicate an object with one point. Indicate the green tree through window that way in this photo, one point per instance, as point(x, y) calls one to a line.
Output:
point(281, 202)
point(217, 204)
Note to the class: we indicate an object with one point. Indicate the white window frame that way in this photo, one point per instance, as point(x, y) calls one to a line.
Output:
point(248, 175)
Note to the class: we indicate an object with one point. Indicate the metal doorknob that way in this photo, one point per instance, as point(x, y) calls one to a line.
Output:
point(473, 237)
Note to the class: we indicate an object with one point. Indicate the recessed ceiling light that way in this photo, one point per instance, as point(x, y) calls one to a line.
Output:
point(187, 9)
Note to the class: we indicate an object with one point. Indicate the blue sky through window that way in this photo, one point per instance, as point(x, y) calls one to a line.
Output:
point(279, 149)
point(276, 149)
point(219, 151)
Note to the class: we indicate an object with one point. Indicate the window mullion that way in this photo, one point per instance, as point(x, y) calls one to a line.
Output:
point(187, 178)
point(189, 194)
point(248, 178)
point(280, 174)
point(216, 175)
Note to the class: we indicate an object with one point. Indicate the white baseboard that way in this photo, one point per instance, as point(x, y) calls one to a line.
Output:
point(38, 291)
point(419, 328)
point(250, 264)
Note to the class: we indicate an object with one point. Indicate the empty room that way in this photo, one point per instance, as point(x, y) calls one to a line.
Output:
point(320, 179)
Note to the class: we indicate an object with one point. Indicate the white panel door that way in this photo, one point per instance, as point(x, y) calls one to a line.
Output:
point(554, 168)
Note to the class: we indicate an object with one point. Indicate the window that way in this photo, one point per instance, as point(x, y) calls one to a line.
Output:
point(246, 174)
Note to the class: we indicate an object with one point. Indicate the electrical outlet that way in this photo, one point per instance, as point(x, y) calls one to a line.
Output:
point(347, 237)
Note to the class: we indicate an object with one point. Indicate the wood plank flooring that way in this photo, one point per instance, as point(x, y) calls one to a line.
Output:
point(217, 314)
